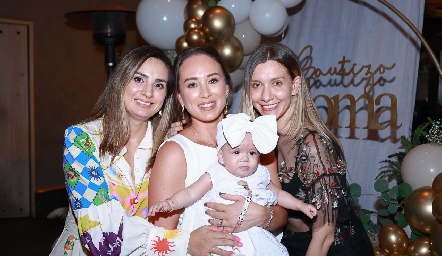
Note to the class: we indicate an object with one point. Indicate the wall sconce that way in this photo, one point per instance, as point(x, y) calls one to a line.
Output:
point(108, 26)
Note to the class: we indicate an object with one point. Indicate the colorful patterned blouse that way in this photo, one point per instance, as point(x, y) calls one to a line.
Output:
point(108, 211)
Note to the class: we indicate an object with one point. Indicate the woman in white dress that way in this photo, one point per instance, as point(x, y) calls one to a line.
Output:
point(202, 89)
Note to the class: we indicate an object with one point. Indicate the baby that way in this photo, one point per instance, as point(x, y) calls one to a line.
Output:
point(240, 143)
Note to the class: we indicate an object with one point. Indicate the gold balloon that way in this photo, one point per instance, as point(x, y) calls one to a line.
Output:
point(231, 52)
point(437, 184)
point(218, 24)
point(436, 241)
point(191, 23)
point(419, 247)
point(380, 252)
point(437, 208)
point(418, 209)
point(196, 8)
point(195, 37)
point(181, 44)
point(393, 239)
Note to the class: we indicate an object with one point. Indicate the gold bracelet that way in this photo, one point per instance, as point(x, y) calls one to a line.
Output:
point(271, 218)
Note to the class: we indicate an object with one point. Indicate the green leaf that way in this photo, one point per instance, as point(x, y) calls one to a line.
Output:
point(381, 185)
point(385, 199)
point(355, 189)
point(405, 190)
point(365, 211)
point(365, 218)
point(394, 192)
point(392, 208)
point(385, 222)
point(383, 212)
point(354, 201)
point(400, 219)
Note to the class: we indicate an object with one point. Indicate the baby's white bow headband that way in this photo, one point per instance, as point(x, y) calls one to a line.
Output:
point(234, 127)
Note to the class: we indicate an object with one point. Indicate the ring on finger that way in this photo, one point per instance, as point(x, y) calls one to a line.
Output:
point(221, 223)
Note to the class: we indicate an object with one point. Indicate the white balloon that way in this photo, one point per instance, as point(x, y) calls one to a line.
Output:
point(249, 38)
point(283, 28)
point(290, 3)
point(160, 22)
point(237, 77)
point(239, 8)
point(244, 61)
point(267, 16)
point(421, 165)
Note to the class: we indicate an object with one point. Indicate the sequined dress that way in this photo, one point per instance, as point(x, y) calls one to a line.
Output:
point(313, 169)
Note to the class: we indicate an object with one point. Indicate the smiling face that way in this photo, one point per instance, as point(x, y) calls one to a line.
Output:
point(203, 90)
point(241, 161)
point(271, 90)
point(145, 93)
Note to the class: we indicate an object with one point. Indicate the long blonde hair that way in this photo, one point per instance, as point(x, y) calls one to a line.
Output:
point(303, 112)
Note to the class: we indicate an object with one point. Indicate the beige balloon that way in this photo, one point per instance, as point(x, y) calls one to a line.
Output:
point(195, 37)
point(231, 52)
point(419, 247)
point(418, 209)
point(437, 208)
point(436, 241)
point(393, 239)
point(196, 8)
point(218, 24)
point(181, 44)
point(437, 184)
point(191, 23)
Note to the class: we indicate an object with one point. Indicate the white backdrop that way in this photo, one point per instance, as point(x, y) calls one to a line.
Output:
point(375, 41)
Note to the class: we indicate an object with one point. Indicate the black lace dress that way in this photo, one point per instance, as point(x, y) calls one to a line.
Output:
point(313, 169)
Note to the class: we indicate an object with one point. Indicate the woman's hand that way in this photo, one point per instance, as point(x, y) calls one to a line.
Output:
point(174, 129)
point(204, 241)
point(256, 214)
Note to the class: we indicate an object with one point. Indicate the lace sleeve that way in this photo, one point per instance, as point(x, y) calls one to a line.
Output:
point(323, 175)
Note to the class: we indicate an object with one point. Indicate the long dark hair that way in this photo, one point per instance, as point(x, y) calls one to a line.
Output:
point(200, 50)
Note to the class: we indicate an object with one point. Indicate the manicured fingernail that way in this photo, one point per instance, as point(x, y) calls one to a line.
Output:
point(220, 227)
point(240, 244)
point(238, 238)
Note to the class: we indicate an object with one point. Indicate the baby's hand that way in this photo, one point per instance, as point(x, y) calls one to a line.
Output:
point(161, 206)
point(309, 210)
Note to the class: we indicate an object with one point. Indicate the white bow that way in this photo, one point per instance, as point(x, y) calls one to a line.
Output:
point(234, 127)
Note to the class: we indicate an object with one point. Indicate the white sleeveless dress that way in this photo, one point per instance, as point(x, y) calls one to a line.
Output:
point(200, 159)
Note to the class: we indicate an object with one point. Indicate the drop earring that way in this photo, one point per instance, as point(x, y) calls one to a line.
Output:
point(226, 110)
point(183, 118)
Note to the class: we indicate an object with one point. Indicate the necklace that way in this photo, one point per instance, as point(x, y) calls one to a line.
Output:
point(205, 141)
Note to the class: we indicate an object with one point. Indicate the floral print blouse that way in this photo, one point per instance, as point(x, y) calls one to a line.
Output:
point(314, 170)
point(108, 214)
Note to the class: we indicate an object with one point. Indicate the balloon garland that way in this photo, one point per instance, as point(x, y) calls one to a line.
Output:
point(233, 27)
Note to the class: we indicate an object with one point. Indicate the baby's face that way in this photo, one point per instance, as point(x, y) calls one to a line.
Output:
point(241, 161)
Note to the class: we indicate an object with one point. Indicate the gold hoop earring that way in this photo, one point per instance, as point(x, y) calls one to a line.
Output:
point(183, 118)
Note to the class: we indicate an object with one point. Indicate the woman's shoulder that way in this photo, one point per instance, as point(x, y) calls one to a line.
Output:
point(94, 127)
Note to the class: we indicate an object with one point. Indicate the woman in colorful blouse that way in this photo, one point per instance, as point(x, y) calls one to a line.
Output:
point(105, 165)
point(311, 159)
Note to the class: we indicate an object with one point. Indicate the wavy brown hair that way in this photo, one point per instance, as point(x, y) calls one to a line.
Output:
point(110, 105)
point(303, 112)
